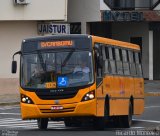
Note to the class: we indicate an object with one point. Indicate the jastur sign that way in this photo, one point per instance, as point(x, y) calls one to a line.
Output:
point(53, 28)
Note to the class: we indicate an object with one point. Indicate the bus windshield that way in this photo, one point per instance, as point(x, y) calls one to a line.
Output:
point(64, 69)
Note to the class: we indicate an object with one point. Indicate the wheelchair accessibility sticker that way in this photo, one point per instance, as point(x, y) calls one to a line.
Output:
point(62, 81)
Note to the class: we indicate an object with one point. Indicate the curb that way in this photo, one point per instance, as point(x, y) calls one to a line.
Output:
point(152, 94)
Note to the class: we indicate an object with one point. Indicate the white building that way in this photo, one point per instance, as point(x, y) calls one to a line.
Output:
point(19, 19)
point(136, 21)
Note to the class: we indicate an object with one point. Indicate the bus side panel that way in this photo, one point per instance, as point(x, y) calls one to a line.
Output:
point(118, 102)
point(100, 101)
point(115, 87)
point(139, 96)
point(129, 86)
point(138, 106)
point(103, 91)
point(139, 88)
point(119, 107)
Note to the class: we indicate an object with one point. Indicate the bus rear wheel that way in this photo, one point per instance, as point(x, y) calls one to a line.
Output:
point(42, 123)
point(67, 123)
point(125, 121)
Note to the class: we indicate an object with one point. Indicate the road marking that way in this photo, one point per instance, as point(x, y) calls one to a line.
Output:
point(15, 121)
point(4, 119)
point(137, 127)
point(26, 124)
point(8, 108)
point(10, 113)
point(150, 121)
point(152, 107)
point(11, 122)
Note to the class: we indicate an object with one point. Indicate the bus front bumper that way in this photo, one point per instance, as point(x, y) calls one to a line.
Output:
point(32, 111)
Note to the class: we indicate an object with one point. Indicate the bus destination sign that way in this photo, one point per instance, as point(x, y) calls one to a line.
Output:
point(50, 44)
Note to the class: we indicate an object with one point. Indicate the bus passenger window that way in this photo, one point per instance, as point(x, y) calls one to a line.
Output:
point(118, 62)
point(132, 64)
point(138, 65)
point(105, 53)
point(125, 62)
point(112, 62)
point(113, 53)
point(130, 53)
point(120, 54)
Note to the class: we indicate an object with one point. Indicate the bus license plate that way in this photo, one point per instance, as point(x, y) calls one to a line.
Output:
point(57, 108)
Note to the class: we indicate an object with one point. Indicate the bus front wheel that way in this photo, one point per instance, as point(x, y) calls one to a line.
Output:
point(72, 122)
point(99, 123)
point(42, 123)
point(127, 119)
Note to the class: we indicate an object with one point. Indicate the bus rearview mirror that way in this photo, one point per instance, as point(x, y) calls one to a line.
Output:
point(14, 67)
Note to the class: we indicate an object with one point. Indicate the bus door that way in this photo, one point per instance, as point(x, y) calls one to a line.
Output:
point(99, 79)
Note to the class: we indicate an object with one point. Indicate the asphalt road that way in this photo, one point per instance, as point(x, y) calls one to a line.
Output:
point(144, 125)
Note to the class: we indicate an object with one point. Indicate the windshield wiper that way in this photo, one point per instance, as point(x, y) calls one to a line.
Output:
point(67, 58)
point(41, 60)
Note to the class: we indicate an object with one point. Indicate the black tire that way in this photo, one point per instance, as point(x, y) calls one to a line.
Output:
point(99, 123)
point(72, 122)
point(126, 120)
point(67, 123)
point(42, 123)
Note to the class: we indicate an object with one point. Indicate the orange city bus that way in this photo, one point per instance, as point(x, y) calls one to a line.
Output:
point(80, 78)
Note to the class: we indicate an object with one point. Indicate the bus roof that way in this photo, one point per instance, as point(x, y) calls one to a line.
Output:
point(95, 39)
point(108, 41)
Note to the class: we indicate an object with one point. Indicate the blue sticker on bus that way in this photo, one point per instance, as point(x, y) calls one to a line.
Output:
point(62, 81)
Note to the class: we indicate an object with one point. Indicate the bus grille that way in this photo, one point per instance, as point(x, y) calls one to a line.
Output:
point(47, 95)
point(57, 111)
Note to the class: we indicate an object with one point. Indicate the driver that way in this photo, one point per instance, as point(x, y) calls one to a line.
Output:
point(81, 68)
point(37, 71)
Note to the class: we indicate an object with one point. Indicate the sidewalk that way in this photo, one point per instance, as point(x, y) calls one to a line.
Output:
point(9, 99)
point(9, 91)
point(152, 88)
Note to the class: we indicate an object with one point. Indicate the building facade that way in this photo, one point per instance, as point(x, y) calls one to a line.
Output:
point(21, 19)
point(136, 21)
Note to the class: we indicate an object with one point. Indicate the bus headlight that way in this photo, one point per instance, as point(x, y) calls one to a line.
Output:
point(26, 99)
point(89, 96)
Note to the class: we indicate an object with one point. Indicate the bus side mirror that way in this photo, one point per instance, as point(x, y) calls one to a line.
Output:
point(14, 67)
point(14, 63)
